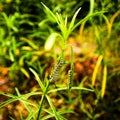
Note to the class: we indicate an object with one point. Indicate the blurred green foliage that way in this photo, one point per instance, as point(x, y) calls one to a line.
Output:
point(25, 26)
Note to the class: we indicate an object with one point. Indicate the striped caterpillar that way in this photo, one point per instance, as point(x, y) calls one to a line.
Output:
point(57, 71)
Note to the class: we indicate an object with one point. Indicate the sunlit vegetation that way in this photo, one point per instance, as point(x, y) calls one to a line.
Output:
point(59, 60)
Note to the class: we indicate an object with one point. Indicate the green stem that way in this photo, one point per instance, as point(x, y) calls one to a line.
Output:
point(69, 94)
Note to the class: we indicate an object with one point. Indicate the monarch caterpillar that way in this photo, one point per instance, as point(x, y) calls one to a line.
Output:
point(56, 71)
point(70, 73)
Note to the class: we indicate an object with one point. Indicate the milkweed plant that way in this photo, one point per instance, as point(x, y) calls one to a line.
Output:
point(35, 110)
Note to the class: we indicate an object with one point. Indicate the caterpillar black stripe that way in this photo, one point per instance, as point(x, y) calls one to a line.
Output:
point(56, 71)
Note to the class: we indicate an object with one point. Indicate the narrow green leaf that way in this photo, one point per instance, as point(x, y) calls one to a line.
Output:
point(38, 79)
point(66, 22)
point(52, 107)
point(11, 118)
point(20, 98)
point(50, 113)
point(73, 88)
point(32, 115)
point(7, 102)
point(62, 25)
point(21, 116)
point(49, 11)
point(11, 55)
point(73, 19)
point(26, 105)
point(87, 18)
point(25, 72)
point(30, 42)
point(91, 6)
